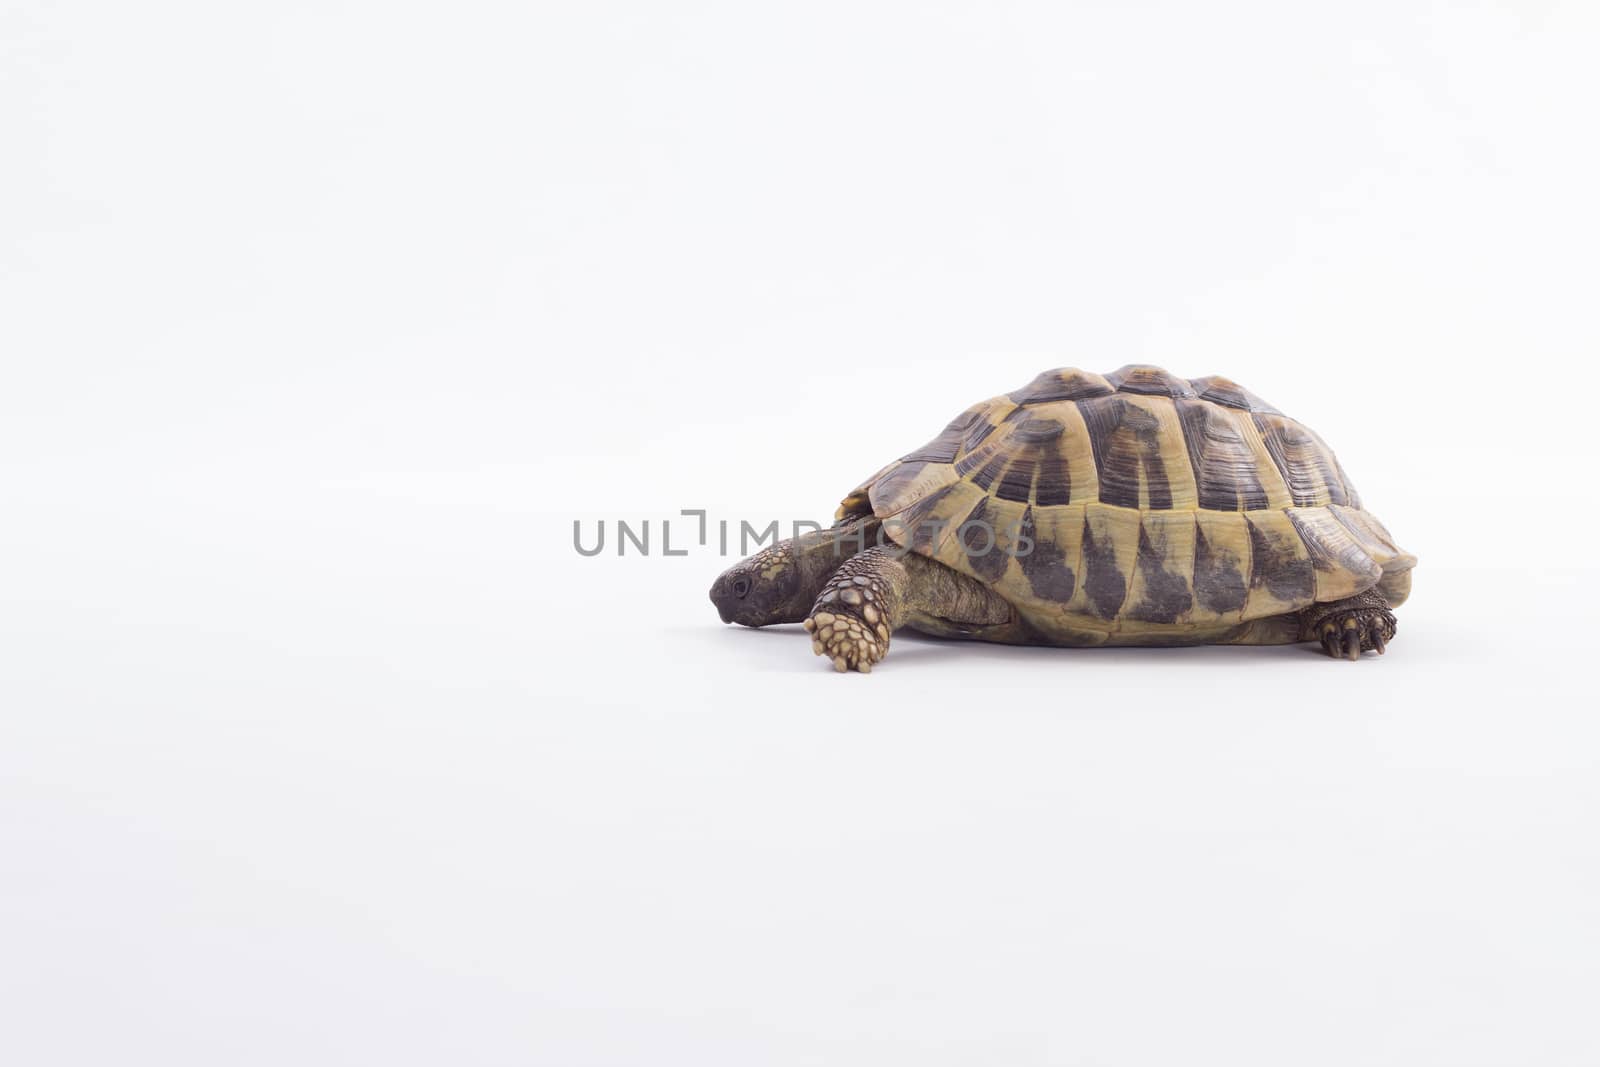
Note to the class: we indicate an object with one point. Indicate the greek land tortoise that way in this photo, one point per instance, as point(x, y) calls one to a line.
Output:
point(1138, 508)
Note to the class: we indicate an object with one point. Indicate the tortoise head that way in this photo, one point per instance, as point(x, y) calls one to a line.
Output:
point(770, 587)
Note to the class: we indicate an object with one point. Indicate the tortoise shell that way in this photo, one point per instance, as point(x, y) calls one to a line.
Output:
point(1136, 503)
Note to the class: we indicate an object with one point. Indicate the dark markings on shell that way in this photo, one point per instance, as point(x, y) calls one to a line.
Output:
point(1305, 463)
point(1351, 497)
point(1045, 565)
point(1054, 484)
point(1321, 558)
point(915, 523)
point(1017, 485)
point(941, 449)
point(977, 434)
point(952, 440)
point(1218, 576)
point(973, 460)
point(978, 539)
point(1166, 593)
point(990, 471)
point(1230, 394)
point(1149, 381)
point(1068, 383)
point(1103, 582)
point(1277, 567)
point(1332, 548)
point(1126, 440)
point(894, 484)
point(1223, 461)
point(1037, 431)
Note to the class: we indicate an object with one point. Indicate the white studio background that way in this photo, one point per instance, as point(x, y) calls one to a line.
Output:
point(322, 323)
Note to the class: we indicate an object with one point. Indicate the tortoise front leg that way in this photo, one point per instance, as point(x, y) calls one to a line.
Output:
point(1349, 627)
point(875, 593)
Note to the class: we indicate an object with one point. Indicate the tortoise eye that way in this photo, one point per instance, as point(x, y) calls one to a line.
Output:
point(741, 586)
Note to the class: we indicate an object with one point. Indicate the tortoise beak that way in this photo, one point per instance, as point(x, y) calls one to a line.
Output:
point(723, 602)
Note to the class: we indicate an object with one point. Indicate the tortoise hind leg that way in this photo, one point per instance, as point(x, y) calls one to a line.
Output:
point(875, 593)
point(1349, 627)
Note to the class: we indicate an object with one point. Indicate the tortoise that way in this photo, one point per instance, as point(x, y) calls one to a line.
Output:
point(1134, 508)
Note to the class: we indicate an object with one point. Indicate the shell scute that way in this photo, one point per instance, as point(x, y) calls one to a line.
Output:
point(1340, 566)
point(1139, 452)
point(1232, 468)
point(1142, 378)
point(1162, 589)
point(1110, 545)
point(1281, 575)
point(1049, 562)
point(1229, 393)
point(1309, 469)
point(1222, 561)
point(1063, 383)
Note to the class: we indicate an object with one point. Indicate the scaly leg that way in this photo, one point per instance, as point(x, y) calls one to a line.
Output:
point(1349, 627)
point(875, 593)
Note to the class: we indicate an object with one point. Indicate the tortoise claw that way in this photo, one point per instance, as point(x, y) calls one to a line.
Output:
point(1347, 635)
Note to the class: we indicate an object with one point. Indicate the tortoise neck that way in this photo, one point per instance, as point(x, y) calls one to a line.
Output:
point(820, 553)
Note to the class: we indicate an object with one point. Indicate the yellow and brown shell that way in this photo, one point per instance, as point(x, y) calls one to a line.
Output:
point(1138, 502)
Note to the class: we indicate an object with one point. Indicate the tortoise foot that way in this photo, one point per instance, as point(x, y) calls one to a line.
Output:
point(1350, 627)
point(848, 623)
